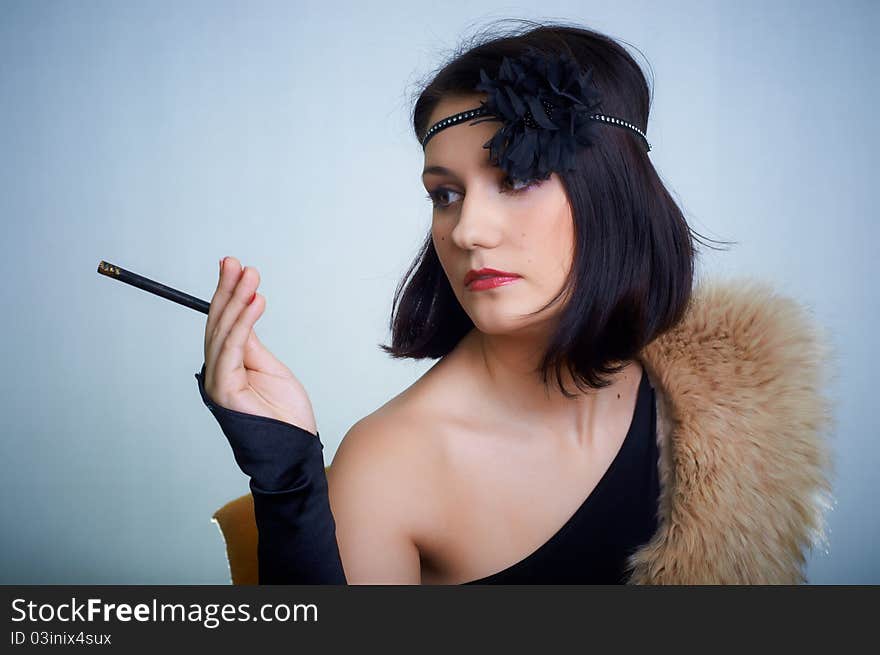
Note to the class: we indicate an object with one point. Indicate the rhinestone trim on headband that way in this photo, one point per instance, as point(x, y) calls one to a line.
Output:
point(480, 111)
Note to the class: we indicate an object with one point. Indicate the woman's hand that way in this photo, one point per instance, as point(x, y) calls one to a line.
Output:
point(240, 373)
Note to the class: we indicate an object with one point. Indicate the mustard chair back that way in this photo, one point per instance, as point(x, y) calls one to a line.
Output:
point(238, 526)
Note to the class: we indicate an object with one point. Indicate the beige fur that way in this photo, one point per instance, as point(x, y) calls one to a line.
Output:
point(742, 427)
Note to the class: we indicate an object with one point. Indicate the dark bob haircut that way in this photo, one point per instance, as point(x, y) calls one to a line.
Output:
point(633, 269)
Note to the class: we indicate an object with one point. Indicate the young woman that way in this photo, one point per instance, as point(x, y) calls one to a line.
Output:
point(593, 417)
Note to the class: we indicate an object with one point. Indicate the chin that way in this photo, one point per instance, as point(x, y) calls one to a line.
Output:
point(508, 322)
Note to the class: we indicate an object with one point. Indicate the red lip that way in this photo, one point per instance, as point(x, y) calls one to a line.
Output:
point(474, 274)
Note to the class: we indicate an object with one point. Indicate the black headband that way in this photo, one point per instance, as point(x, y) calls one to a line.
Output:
point(547, 105)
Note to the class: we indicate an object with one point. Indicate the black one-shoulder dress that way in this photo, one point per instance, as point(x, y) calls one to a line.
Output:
point(297, 532)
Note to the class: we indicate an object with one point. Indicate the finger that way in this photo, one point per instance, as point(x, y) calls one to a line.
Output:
point(239, 300)
point(256, 356)
point(230, 273)
point(236, 292)
point(232, 353)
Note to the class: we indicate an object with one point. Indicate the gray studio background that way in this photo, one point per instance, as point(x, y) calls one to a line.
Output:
point(161, 136)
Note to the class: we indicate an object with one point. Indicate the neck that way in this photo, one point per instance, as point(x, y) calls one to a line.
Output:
point(504, 368)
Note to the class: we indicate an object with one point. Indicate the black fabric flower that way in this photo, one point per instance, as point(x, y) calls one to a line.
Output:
point(544, 102)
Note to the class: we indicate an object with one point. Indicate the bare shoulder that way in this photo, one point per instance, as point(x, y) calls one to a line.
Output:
point(390, 480)
point(388, 451)
point(383, 487)
point(400, 445)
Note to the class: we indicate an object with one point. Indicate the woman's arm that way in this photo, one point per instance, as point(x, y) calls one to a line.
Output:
point(296, 528)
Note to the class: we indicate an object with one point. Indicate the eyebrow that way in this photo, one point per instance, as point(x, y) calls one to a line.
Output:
point(442, 170)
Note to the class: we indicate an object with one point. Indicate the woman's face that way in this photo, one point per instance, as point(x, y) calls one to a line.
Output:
point(483, 219)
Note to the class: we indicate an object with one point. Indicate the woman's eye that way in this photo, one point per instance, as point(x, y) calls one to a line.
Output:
point(519, 185)
point(437, 195)
point(509, 185)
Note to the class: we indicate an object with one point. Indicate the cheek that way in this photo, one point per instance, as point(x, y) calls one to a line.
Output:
point(563, 236)
point(442, 245)
point(547, 239)
point(441, 240)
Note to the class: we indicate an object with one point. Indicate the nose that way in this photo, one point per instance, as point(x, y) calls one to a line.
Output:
point(479, 220)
